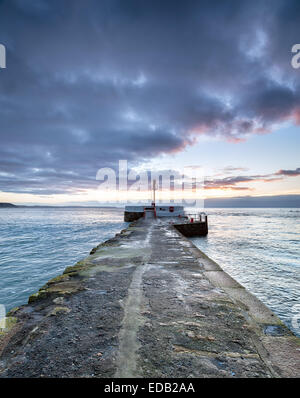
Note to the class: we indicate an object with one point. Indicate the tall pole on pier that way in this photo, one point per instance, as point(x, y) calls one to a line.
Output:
point(154, 189)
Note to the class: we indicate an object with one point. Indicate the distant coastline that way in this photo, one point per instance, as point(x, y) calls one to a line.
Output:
point(10, 205)
point(7, 205)
point(280, 201)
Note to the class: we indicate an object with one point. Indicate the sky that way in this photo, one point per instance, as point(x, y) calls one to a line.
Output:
point(161, 84)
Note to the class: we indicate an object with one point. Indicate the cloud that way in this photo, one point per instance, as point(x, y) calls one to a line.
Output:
point(90, 83)
point(233, 181)
point(291, 173)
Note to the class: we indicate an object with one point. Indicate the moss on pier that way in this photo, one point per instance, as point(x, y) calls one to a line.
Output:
point(10, 322)
point(62, 288)
point(75, 269)
point(66, 283)
point(59, 310)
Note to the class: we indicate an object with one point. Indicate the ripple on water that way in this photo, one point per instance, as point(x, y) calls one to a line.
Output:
point(38, 244)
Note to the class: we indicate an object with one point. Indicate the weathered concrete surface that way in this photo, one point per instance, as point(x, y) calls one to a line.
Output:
point(146, 304)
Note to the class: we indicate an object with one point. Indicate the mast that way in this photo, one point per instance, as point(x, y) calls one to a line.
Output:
point(154, 189)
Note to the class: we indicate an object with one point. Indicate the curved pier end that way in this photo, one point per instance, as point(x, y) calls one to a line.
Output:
point(146, 303)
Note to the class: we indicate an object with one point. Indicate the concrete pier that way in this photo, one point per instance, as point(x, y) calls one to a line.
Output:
point(146, 303)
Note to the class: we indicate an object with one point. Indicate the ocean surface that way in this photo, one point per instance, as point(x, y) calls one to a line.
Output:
point(257, 247)
point(38, 244)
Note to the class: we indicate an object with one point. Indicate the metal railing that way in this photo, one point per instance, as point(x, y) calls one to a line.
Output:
point(195, 217)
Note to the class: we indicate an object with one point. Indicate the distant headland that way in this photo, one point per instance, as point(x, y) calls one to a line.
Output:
point(7, 205)
point(277, 201)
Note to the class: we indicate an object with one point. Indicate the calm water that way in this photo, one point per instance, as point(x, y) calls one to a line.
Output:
point(258, 247)
point(38, 244)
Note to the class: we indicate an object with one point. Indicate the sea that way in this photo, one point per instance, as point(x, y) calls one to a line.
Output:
point(257, 247)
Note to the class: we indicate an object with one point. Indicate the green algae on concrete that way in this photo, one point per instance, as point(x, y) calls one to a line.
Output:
point(74, 269)
point(59, 310)
point(61, 285)
point(9, 324)
point(85, 268)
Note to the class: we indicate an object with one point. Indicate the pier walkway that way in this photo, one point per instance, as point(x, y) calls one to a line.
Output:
point(146, 303)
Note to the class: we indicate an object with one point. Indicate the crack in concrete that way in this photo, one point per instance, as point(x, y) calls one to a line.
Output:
point(133, 320)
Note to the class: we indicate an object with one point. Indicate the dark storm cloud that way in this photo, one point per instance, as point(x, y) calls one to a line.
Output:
point(292, 173)
point(88, 83)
